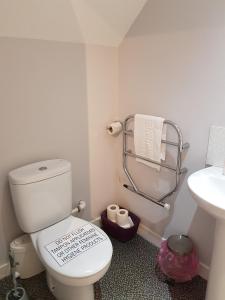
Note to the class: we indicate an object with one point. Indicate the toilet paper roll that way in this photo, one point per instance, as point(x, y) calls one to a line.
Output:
point(130, 222)
point(122, 218)
point(114, 128)
point(112, 210)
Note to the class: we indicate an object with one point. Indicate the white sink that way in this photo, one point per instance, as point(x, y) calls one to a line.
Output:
point(208, 189)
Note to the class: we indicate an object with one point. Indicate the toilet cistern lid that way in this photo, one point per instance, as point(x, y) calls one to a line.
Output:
point(74, 248)
point(39, 171)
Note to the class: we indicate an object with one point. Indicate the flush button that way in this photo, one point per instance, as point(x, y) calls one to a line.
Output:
point(42, 168)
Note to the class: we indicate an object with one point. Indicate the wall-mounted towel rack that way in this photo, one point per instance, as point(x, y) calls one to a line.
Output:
point(176, 169)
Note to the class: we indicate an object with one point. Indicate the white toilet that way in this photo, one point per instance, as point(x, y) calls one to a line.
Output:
point(75, 252)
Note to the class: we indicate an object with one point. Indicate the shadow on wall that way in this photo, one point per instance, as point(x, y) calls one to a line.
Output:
point(197, 228)
point(9, 226)
point(162, 224)
point(162, 219)
point(173, 16)
point(43, 115)
point(152, 215)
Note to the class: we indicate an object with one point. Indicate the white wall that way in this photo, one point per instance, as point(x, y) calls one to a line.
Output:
point(56, 99)
point(102, 78)
point(82, 21)
point(172, 64)
point(43, 115)
point(58, 95)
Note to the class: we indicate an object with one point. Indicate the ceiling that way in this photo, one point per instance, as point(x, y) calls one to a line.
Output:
point(102, 22)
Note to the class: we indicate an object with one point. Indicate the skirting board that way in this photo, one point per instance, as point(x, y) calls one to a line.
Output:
point(156, 240)
point(4, 270)
point(97, 221)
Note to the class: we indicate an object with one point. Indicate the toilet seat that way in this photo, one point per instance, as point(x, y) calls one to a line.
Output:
point(73, 249)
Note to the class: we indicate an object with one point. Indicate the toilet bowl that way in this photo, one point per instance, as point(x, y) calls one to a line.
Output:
point(75, 252)
point(74, 277)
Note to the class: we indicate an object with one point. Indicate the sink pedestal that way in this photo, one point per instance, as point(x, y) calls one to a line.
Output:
point(208, 189)
point(216, 281)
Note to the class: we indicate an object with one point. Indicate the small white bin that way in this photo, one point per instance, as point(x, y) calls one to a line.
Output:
point(28, 263)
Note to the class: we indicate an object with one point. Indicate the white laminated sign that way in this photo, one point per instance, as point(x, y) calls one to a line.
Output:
point(74, 243)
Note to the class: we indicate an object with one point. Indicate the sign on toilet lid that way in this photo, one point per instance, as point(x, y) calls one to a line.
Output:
point(75, 243)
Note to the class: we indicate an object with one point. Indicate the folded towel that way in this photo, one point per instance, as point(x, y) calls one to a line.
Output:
point(148, 134)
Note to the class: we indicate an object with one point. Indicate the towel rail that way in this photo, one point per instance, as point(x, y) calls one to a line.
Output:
point(175, 169)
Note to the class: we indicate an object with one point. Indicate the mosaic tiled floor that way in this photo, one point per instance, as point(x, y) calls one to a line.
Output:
point(132, 276)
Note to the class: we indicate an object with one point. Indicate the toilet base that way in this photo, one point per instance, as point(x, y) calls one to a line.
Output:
point(66, 292)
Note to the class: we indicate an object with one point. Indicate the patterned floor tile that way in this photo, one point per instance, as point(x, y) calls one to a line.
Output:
point(132, 276)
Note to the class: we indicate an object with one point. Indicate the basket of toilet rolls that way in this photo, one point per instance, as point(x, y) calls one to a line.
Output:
point(119, 223)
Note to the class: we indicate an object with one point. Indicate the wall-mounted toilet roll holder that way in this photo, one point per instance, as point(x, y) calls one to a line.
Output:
point(115, 128)
point(177, 169)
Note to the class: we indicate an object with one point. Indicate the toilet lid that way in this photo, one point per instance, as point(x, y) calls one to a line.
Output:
point(74, 248)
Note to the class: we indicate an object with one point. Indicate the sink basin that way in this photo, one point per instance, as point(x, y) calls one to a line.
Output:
point(208, 189)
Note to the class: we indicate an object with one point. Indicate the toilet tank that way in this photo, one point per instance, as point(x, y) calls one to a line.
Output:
point(41, 193)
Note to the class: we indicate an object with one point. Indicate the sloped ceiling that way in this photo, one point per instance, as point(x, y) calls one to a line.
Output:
point(103, 22)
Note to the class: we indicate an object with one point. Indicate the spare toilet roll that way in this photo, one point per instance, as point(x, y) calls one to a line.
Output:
point(122, 218)
point(114, 128)
point(112, 210)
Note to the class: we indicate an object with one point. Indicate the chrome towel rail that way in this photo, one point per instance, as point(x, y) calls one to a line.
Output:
point(177, 170)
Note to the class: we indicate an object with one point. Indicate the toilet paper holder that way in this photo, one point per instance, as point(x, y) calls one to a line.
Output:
point(114, 128)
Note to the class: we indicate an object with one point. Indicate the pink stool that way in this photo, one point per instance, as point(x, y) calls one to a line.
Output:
point(177, 258)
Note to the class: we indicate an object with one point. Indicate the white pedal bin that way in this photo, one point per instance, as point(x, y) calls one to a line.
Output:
point(26, 259)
